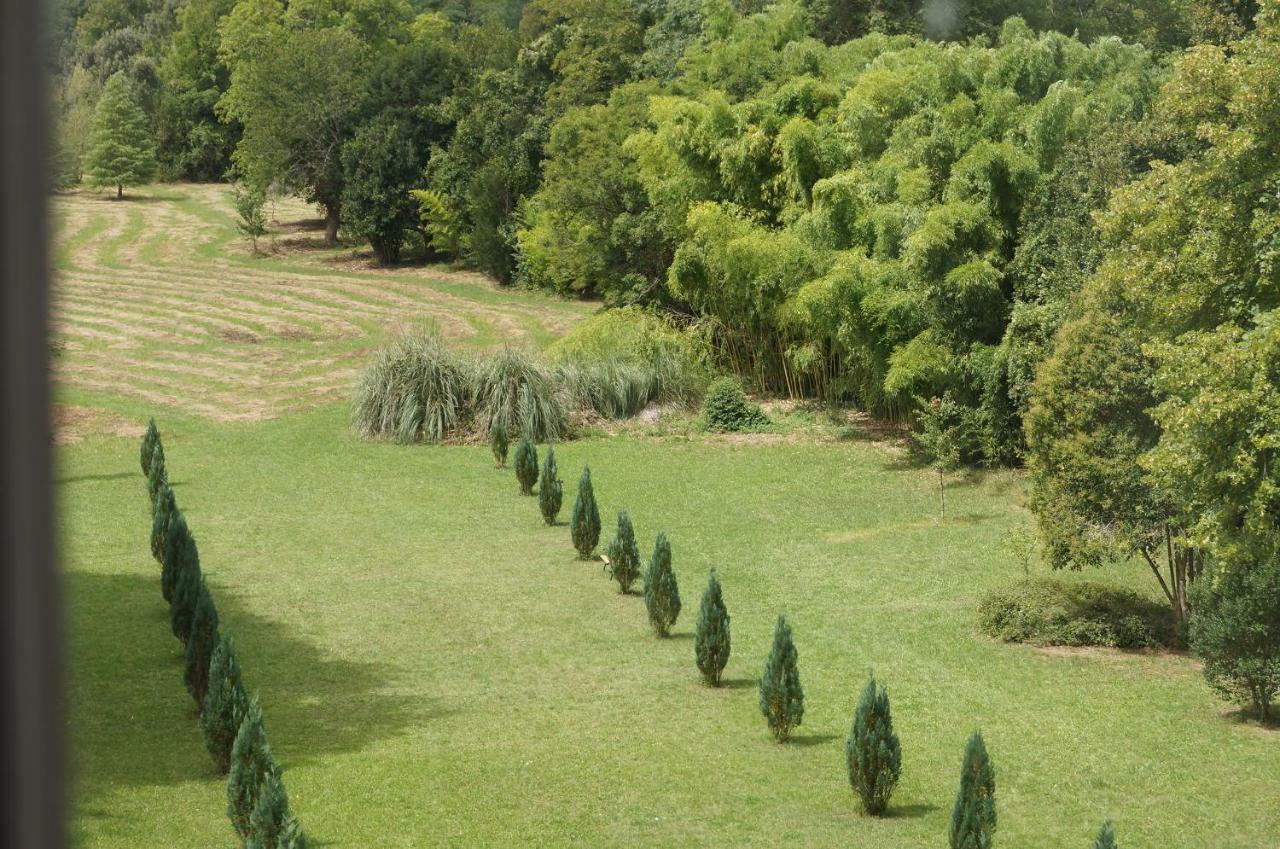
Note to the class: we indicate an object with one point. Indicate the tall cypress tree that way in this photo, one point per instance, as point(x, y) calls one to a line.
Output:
point(551, 490)
point(251, 760)
point(186, 592)
point(270, 812)
point(157, 475)
point(624, 555)
point(871, 752)
point(711, 645)
point(781, 696)
point(661, 594)
point(149, 440)
point(121, 150)
point(1106, 837)
point(164, 510)
point(526, 464)
point(973, 819)
point(179, 550)
point(225, 704)
point(584, 523)
point(200, 645)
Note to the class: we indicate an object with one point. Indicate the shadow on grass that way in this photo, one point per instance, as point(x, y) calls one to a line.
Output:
point(114, 476)
point(738, 683)
point(909, 811)
point(806, 740)
point(1249, 717)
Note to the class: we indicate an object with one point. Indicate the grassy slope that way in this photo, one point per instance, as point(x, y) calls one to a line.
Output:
point(437, 670)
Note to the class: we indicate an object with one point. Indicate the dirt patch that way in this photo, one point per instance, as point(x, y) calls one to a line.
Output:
point(73, 424)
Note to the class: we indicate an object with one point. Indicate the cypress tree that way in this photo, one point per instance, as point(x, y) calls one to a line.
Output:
point(157, 475)
point(499, 444)
point(291, 837)
point(200, 645)
point(160, 515)
point(973, 819)
point(624, 556)
point(179, 551)
point(871, 752)
point(225, 704)
point(781, 696)
point(186, 593)
point(551, 491)
point(711, 644)
point(149, 440)
point(526, 464)
point(661, 594)
point(584, 523)
point(1106, 837)
point(251, 760)
point(270, 812)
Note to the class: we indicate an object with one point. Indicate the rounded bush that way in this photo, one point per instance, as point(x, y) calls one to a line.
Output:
point(726, 408)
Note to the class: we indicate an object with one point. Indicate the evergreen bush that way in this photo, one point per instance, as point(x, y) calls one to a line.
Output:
point(781, 696)
point(225, 704)
point(149, 440)
point(661, 593)
point(186, 592)
point(164, 509)
point(725, 408)
point(973, 818)
point(200, 644)
point(1106, 837)
point(551, 490)
point(499, 444)
point(157, 475)
point(291, 836)
point(251, 760)
point(179, 551)
point(624, 555)
point(526, 465)
point(872, 754)
point(584, 523)
point(711, 644)
point(270, 812)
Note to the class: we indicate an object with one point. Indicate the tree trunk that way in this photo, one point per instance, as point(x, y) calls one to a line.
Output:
point(331, 224)
point(119, 191)
point(1183, 565)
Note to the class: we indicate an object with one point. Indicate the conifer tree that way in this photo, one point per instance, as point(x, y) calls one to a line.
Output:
point(164, 509)
point(179, 550)
point(157, 475)
point(291, 837)
point(225, 704)
point(186, 592)
point(526, 464)
point(781, 696)
point(200, 644)
point(149, 440)
point(121, 150)
point(499, 444)
point(711, 645)
point(251, 760)
point(973, 819)
point(551, 490)
point(624, 555)
point(584, 523)
point(661, 594)
point(872, 754)
point(270, 812)
point(1106, 837)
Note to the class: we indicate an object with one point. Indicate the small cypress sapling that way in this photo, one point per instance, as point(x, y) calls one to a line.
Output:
point(179, 550)
point(584, 522)
point(225, 704)
point(551, 490)
point(711, 645)
point(164, 509)
point(186, 593)
point(781, 696)
point(149, 440)
point(526, 464)
point(973, 818)
point(624, 556)
point(270, 813)
point(661, 594)
point(872, 754)
point(200, 645)
point(1106, 837)
point(156, 475)
point(499, 444)
point(251, 759)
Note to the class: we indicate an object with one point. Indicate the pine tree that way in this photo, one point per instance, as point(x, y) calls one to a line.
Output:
point(200, 645)
point(251, 760)
point(781, 696)
point(1106, 837)
point(270, 812)
point(973, 819)
point(186, 593)
point(225, 704)
point(526, 464)
point(584, 523)
point(149, 440)
point(164, 509)
point(121, 150)
point(157, 475)
point(624, 555)
point(499, 444)
point(179, 551)
point(661, 594)
point(871, 752)
point(711, 644)
point(551, 490)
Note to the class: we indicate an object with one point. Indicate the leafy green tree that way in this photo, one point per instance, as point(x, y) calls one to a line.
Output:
point(121, 150)
point(1106, 837)
point(165, 507)
point(198, 654)
point(380, 165)
point(180, 554)
point(150, 439)
point(270, 812)
point(498, 444)
point(661, 592)
point(526, 465)
point(192, 143)
point(941, 435)
point(251, 211)
point(781, 696)
point(251, 761)
point(872, 753)
point(711, 643)
point(584, 523)
point(973, 818)
point(225, 704)
point(551, 490)
point(624, 556)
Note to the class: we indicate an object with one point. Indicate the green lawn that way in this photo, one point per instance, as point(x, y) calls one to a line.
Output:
point(436, 669)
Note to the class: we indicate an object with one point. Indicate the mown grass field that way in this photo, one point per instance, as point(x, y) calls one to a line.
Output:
point(435, 667)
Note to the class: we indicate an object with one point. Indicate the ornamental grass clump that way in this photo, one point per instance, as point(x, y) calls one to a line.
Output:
point(415, 390)
point(515, 390)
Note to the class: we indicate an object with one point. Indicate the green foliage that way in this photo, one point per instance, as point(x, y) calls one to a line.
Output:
point(781, 696)
point(251, 761)
point(225, 704)
point(415, 389)
point(270, 812)
point(292, 836)
point(661, 592)
point(624, 556)
point(180, 555)
point(584, 522)
point(526, 465)
point(726, 408)
point(873, 756)
point(150, 439)
point(942, 436)
point(380, 164)
point(1106, 837)
point(513, 388)
point(198, 655)
point(187, 588)
point(1049, 611)
point(250, 202)
point(121, 151)
point(1235, 630)
point(711, 643)
point(157, 474)
point(193, 143)
point(165, 507)
point(973, 818)
point(499, 445)
point(551, 490)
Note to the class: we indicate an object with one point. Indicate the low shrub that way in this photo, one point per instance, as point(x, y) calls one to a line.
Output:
point(415, 389)
point(726, 408)
point(1050, 611)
